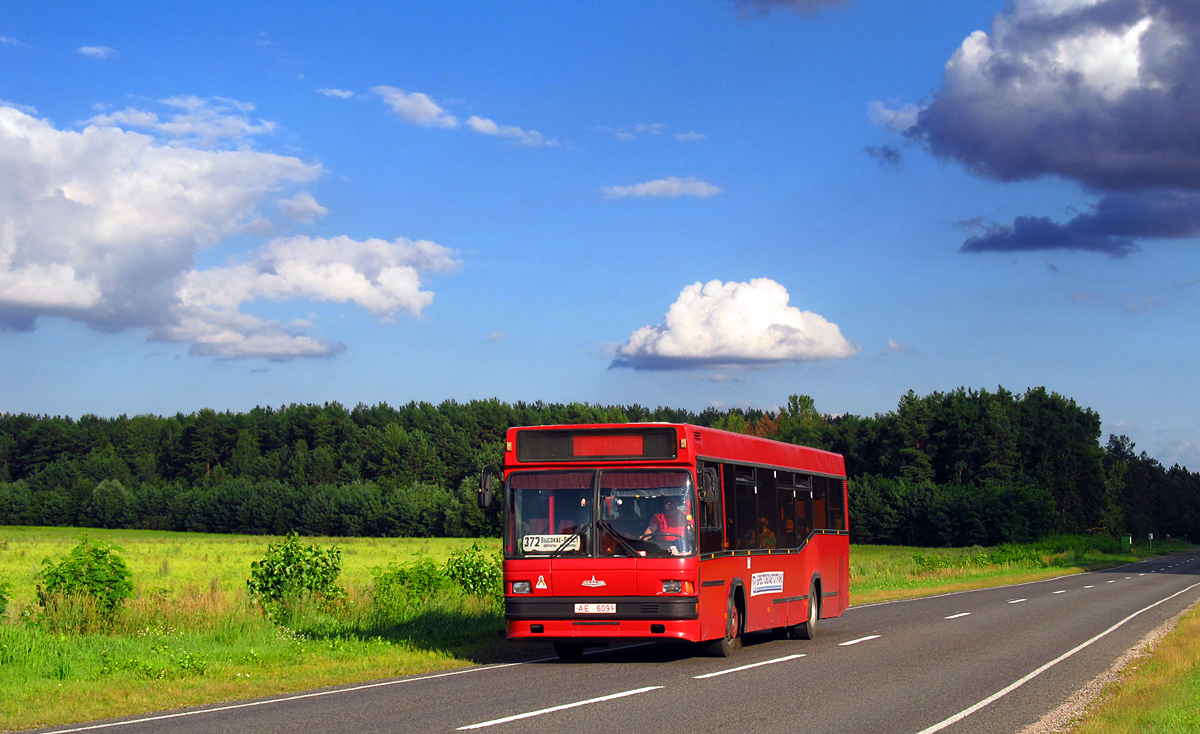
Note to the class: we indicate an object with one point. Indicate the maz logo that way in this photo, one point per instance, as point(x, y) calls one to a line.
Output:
point(593, 583)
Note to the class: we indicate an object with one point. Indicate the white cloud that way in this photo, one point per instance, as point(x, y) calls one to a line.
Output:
point(895, 347)
point(731, 323)
point(531, 138)
point(497, 336)
point(97, 52)
point(12, 42)
point(1183, 452)
point(302, 207)
point(102, 225)
point(897, 120)
point(415, 107)
point(200, 122)
point(339, 93)
point(664, 187)
point(690, 136)
point(632, 133)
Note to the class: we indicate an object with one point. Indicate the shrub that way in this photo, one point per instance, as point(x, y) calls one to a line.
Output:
point(290, 570)
point(413, 582)
point(92, 570)
point(476, 573)
point(4, 587)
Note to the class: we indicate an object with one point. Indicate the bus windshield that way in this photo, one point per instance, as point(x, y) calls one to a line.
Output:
point(640, 513)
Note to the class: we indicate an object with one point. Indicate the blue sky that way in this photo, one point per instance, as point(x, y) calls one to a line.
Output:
point(678, 203)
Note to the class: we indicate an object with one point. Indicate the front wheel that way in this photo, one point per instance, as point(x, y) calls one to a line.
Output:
point(732, 640)
point(808, 630)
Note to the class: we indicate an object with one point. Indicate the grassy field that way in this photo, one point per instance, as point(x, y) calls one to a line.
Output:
point(190, 634)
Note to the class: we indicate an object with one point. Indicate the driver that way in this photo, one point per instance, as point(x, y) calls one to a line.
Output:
point(672, 522)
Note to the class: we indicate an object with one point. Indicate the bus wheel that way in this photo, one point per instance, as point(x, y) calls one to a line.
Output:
point(726, 646)
point(568, 650)
point(808, 630)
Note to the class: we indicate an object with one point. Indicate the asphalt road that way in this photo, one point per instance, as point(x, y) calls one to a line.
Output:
point(993, 660)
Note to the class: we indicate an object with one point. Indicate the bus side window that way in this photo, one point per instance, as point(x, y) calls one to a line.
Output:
point(729, 505)
point(820, 502)
point(804, 506)
point(746, 514)
point(711, 518)
point(837, 513)
point(786, 487)
point(768, 510)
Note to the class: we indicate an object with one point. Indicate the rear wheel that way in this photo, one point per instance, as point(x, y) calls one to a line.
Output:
point(568, 650)
point(808, 630)
point(726, 646)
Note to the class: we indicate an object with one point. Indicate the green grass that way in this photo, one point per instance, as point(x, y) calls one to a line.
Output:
point(191, 635)
point(1160, 696)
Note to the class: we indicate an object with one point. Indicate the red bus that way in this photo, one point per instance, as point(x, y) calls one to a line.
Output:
point(654, 531)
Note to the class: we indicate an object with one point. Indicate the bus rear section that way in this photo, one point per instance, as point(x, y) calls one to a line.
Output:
point(630, 532)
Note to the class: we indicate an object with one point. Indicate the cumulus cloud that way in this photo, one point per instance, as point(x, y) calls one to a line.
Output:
point(733, 323)
point(690, 136)
point(97, 52)
point(302, 207)
point(895, 347)
point(531, 138)
point(12, 42)
point(102, 225)
point(197, 122)
point(901, 119)
point(764, 7)
point(633, 133)
point(415, 107)
point(1101, 92)
point(664, 187)
point(888, 155)
point(339, 93)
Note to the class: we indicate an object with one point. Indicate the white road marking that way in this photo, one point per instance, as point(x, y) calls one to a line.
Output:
point(1141, 574)
point(298, 697)
point(855, 642)
point(1115, 581)
point(552, 709)
point(747, 667)
point(956, 616)
point(1089, 586)
point(1128, 577)
point(1022, 681)
point(1061, 591)
point(1016, 601)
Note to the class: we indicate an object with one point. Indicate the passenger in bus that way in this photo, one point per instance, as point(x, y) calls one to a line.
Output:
point(765, 534)
point(672, 525)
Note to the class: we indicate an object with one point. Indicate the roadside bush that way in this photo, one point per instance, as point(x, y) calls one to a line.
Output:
point(476, 573)
point(92, 575)
point(291, 570)
point(411, 583)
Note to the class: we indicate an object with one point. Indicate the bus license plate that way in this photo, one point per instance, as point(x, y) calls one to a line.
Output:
point(595, 608)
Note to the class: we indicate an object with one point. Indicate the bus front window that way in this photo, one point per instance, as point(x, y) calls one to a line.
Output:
point(647, 513)
point(549, 513)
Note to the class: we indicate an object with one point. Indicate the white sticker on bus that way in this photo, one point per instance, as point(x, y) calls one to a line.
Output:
point(769, 582)
point(549, 543)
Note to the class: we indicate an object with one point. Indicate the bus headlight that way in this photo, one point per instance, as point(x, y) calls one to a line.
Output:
point(521, 587)
point(672, 587)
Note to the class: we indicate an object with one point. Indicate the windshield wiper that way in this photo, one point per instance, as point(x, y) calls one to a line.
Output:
point(633, 552)
point(565, 543)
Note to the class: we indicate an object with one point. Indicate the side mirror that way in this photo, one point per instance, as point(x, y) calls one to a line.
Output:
point(709, 482)
point(486, 483)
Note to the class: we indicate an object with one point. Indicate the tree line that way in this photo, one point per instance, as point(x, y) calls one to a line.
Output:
point(957, 468)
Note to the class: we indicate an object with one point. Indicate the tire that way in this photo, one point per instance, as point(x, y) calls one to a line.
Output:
point(732, 640)
point(808, 630)
point(568, 650)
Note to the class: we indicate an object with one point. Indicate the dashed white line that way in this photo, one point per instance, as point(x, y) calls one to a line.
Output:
point(855, 642)
point(747, 667)
point(552, 709)
point(1115, 581)
point(960, 614)
point(1016, 601)
point(1061, 591)
point(1022, 681)
point(1128, 577)
point(1089, 586)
